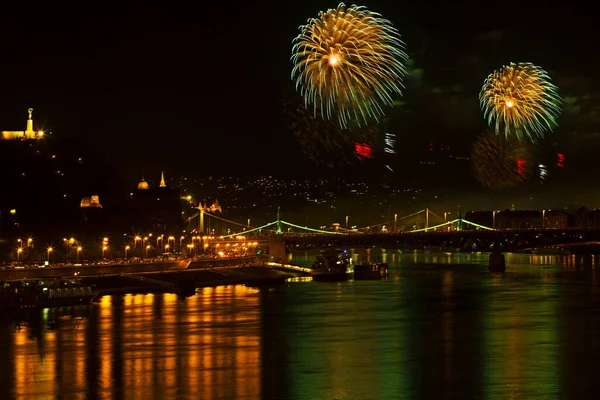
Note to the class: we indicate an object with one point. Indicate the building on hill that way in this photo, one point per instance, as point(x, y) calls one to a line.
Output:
point(157, 209)
point(214, 208)
point(91, 201)
point(29, 133)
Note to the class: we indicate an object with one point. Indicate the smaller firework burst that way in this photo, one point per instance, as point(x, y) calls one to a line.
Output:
point(519, 100)
point(323, 141)
point(501, 163)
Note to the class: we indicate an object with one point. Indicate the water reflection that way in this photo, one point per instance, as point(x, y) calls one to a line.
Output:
point(139, 346)
point(447, 331)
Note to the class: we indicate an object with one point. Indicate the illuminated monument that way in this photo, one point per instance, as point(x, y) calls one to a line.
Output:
point(28, 134)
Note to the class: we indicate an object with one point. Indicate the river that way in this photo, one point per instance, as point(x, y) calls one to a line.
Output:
point(441, 327)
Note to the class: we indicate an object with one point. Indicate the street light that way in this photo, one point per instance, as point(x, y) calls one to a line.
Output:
point(494, 219)
point(104, 248)
point(126, 248)
point(147, 248)
point(49, 250)
point(543, 219)
point(79, 249)
point(19, 251)
point(29, 242)
point(167, 248)
point(180, 242)
point(135, 240)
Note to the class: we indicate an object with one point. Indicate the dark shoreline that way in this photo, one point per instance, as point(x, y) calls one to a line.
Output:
point(186, 281)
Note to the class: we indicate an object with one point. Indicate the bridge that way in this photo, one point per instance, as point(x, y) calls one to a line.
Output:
point(459, 234)
point(281, 227)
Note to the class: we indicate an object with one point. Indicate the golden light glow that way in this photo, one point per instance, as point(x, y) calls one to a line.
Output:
point(79, 248)
point(334, 60)
point(509, 103)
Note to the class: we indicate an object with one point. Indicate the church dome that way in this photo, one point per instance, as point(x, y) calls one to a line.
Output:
point(143, 184)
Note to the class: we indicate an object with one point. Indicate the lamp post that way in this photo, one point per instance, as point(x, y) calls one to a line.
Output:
point(494, 219)
point(147, 248)
point(395, 223)
point(104, 248)
point(29, 242)
point(181, 243)
point(19, 251)
point(543, 219)
point(49, 250)
point(166, 248)
point(135, 240)
point(79, 249)
point(126, 248)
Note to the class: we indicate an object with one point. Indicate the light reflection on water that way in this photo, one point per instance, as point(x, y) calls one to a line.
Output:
point(449, 330)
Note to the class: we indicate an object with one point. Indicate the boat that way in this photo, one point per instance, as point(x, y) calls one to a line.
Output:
point(49, 292)
point(371, 271)
point(332, 264)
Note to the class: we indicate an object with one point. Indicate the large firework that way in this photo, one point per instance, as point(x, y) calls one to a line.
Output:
point(347, 64)
point(502, 163)
point(519, 100)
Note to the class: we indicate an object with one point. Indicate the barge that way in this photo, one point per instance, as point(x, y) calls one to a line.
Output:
point(51, 292)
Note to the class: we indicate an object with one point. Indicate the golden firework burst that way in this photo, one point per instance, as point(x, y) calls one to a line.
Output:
point(520, 100)
point(348, 63)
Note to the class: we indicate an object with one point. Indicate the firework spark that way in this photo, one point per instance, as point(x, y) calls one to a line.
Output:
point(347, 64)
point(501, 163)
point(520, 100)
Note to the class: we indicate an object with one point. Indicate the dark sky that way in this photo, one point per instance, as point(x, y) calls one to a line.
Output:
point(197, 89)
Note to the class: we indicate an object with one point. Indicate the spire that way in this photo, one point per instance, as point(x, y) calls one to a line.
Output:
point(162, 180)
point(29, 132)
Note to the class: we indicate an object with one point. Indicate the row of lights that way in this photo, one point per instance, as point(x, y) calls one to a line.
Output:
point(105, 241)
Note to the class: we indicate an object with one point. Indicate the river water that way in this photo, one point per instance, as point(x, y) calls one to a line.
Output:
point(441, 327)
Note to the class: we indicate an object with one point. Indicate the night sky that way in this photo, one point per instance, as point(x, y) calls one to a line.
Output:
point(198, 90)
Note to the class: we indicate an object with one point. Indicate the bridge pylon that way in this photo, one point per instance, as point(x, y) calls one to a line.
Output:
point(279, 230)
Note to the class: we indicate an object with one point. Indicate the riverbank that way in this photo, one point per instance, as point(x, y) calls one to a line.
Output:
point(71, 270)
point(187, 281)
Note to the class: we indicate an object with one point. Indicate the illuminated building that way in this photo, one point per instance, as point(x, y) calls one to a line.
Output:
point(157, 209)
point(143, 185)
point(29, 133)
point(214, 208)
point(91, 201)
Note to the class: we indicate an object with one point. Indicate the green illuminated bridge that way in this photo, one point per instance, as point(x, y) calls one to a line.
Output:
point(281, 227)
point(457, 234)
